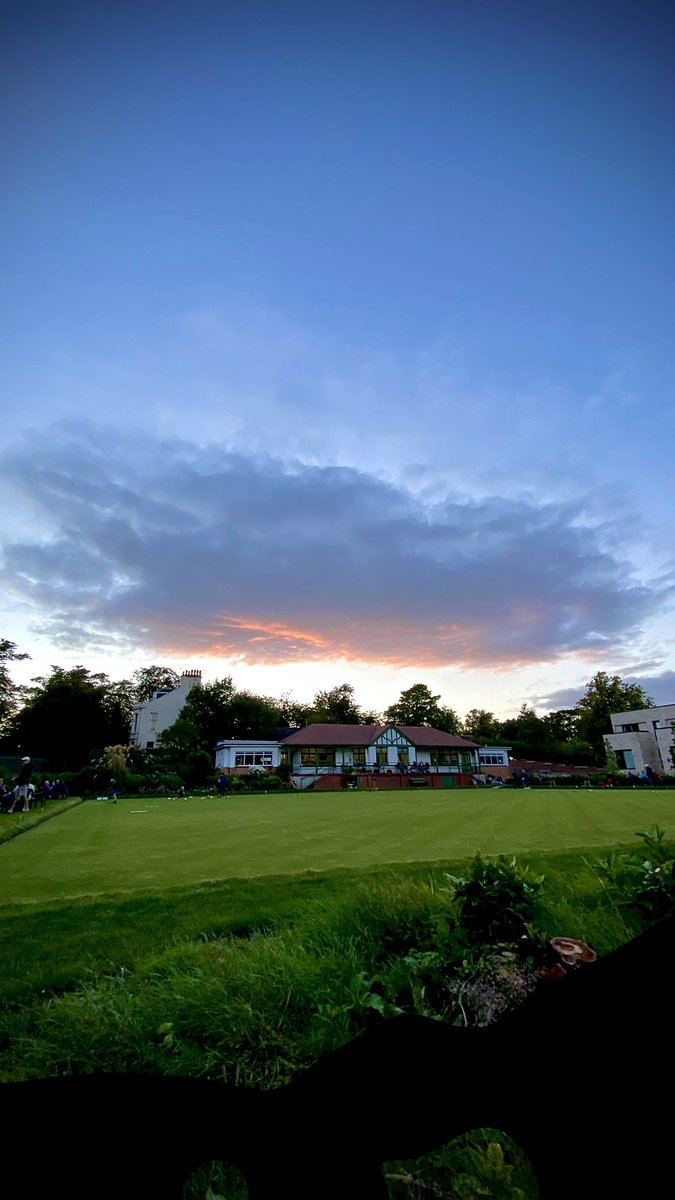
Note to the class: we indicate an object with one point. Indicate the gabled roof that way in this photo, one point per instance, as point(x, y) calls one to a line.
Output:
point(321, 734)
point(422, 735)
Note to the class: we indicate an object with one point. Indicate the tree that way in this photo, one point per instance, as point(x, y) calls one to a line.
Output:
point(118, 702)
point(147, 680)
point(9, 691)
point(293, 714)
point(417, 706)
point(481, 726)
point(65, 719)
point(564, 724)
point(218, 711)
point(337, 706)
point(607, 694)
point(527, 734)
point(180, 752)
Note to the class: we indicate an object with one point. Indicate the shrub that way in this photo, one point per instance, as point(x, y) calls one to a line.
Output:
point(498, 900)
point(645, 884)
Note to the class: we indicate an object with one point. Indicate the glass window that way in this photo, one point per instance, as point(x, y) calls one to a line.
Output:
point(444, 758)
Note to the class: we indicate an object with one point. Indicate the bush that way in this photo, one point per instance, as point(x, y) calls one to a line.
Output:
point(498, 900)
point(645, 884)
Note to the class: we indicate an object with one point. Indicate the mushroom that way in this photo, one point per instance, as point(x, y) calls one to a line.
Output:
point(572, 951)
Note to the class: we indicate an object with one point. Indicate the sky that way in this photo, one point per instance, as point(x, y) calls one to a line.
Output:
point(337, 344)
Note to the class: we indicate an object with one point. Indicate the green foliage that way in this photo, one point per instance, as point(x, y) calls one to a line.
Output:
point(9, 692)
point(482, 1164)
point(179, 751)
point(115, 760)
point(645, 884)
point(65, 718)
point(337, 706)
point(417, 706)
point(607, 694)
point(148, 680)
point(497, 901)
point(481, 726)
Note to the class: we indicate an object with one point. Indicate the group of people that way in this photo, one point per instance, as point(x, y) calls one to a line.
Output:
point(23, 795)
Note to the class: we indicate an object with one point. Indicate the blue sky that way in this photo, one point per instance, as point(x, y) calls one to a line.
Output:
point(337, 343)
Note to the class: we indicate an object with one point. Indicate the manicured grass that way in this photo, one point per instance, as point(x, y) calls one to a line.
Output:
point(14, 824)
point(100, 848)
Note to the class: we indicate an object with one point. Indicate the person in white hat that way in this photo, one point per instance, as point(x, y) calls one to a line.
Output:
point(21, 792)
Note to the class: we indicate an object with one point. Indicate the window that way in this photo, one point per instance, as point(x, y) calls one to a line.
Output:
point(253, 758)
point(493, 760)
point(358, 756)
point(444, 758)
point(382, 756)
point(153, 722)
point(625, 760)
point(634, 728)
point(149, 745)
point(323, 756)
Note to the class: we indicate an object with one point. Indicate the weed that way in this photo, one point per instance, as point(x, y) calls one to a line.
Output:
point(645, 884)
point(497, 900)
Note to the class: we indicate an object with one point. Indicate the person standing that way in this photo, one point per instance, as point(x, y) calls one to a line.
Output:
point(223, 784)
point(21, 792)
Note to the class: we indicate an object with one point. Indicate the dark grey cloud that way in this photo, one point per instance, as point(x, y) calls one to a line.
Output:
point(661, 687)
point(191, 551)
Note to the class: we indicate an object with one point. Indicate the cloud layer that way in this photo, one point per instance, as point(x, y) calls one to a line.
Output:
point(208, 552)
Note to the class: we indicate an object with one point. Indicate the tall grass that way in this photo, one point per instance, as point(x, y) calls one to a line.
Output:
point(251, 981)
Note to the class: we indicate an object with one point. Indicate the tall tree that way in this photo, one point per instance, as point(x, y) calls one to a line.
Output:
point(607, 694)
point(180, 750)
point(564, 724)
point(337, 706)
point(293, 713)
point(481, 726)
point(217, 710)
point(207, 708)
point(65, 719)
point(9, 691)
point(418, 706)
point(147, 680)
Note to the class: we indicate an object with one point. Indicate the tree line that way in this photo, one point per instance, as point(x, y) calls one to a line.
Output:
point(70, 715)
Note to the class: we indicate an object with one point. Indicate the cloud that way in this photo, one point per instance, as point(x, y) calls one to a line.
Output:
point(660, 687)
point(210, 552)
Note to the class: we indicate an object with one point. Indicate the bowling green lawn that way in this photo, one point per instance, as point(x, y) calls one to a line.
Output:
point(99, 848)
point(104, 884)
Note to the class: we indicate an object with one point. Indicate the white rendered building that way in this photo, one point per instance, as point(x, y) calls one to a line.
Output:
point(236, 756)
point(154, 716)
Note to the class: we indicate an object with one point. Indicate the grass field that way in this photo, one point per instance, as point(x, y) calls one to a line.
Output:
point(242, 938)
point(99, 848)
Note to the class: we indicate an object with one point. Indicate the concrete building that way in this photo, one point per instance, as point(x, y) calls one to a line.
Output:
point(154, 716)
point(644, 738)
